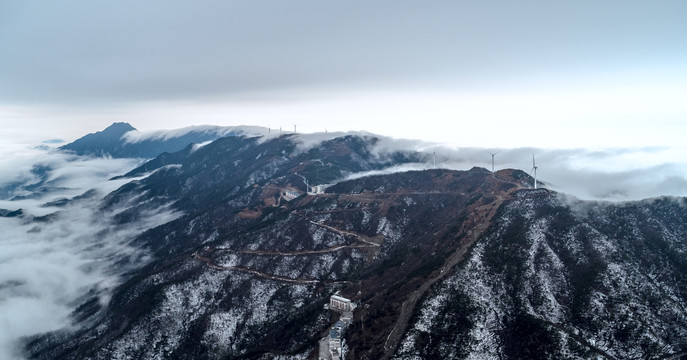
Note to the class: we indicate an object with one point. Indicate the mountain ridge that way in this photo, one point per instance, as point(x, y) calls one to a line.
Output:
point(245, 271)
point(118, 140)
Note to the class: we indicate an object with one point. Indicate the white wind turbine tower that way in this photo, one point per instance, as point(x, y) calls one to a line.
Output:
point(492, 160)
point(534, 169)
point(434, 164)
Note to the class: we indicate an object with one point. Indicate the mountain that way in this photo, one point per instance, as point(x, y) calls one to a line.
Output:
point(121, 140)
point(555, 279)
point(105, 142)
point(442, 263)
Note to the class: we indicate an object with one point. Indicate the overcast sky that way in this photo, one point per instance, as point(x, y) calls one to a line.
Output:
point(487, 73)
point(496, 74)
point(597, 89)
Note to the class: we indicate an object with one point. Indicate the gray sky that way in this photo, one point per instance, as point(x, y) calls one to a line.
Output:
point(170, 63)
point(488, 74)
point(95, 53)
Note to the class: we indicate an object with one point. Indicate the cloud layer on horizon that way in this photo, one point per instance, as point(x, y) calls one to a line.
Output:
point(610, 174)
point(580, 73)
point(616, 174)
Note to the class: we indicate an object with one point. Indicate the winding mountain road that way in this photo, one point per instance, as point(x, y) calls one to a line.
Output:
point(264, 275)
point(362, 244)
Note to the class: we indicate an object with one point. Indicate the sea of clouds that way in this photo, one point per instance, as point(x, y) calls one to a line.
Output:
point(52, 257)
point(612, 174)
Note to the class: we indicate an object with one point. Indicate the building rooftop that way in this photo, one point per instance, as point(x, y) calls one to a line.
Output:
point(340, 298)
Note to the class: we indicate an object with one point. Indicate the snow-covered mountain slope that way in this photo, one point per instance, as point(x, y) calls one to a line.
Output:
point(556, 279)
point(121, 140)
point(442, 263)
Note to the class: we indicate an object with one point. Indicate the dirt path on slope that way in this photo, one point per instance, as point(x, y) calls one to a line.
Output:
point(473, 229)
point(360, 238)
point(294, 253)
point(263, 275)
point(363, 242)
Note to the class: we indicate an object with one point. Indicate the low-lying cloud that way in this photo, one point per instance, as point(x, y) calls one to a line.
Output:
point(220, 131)
point(48, 266)
point(611, 174)
point(615, 174)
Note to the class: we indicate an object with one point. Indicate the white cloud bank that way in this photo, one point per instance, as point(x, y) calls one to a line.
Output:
point(615, 174)
point(47, 267)
point(139, 136)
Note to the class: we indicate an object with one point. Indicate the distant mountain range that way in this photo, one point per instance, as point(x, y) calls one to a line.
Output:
point(443, 264)
point(121, 140)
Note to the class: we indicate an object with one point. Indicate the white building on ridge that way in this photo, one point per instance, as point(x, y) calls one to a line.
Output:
point(340, 303)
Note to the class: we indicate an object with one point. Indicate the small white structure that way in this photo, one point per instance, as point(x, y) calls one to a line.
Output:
point(335, 354)
point(347, 317)
point(332, 346)
point(336, 350)
point(316, 190)
point(340, 303)
point(290, 194)
point(334, 339)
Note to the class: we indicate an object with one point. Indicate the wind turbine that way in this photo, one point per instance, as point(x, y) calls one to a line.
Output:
point(435, 158)
point(534, 169)
point(492, 160)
